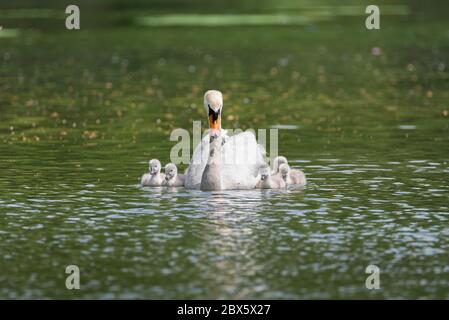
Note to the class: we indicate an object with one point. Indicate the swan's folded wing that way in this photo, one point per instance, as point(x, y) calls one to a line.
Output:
point(243, 150)
point(197, 165)
point(261, 156)
point(241, 159)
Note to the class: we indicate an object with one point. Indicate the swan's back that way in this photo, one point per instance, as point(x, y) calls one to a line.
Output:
point(241, 159)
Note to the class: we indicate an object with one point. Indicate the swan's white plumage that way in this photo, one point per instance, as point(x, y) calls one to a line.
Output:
point(241, 159)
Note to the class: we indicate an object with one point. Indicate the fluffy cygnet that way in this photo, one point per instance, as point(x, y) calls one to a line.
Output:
point(154, 178)
point(268, 181)
point(292, 177)
point(296, 176)
point(172, 178)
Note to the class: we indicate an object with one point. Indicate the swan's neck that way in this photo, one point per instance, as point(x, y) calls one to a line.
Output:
point(211, 178)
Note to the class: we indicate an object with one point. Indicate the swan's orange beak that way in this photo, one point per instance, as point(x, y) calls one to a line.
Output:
point(214, 124)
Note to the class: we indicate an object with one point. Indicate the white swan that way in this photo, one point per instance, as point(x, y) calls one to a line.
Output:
point(292, 177)
point(239, 155)
point(211, 179)
point(154, 178)
point(268, 181)
point(295, 176)
point(172, 178)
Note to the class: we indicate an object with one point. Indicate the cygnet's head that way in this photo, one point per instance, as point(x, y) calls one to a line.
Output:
point(264, 173)
point(170, 171)
point(155, 166)
point(277, 163)
point(213, 102)
point(284, 169)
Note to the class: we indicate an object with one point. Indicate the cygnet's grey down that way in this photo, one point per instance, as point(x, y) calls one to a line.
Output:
point(172, 178)
point(268, 181)
point(297, 177)
point(154, 178)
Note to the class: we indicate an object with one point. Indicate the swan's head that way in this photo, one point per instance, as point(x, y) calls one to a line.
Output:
point(264, 173)
point(284, 169)
point(170, 171)
point(277, 163)
point(155, 166)
point(213, 102)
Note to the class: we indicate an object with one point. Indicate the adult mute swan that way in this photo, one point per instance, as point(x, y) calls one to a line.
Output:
point(232, 162)
point(154, 178)
point(172, 178)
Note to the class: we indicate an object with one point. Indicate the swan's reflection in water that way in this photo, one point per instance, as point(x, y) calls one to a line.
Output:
point(231, 245)
point(232, 230)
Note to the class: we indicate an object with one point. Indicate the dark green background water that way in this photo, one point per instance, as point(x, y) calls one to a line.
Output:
point(81, 113)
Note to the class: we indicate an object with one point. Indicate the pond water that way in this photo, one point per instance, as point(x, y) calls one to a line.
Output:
point(364, 114)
